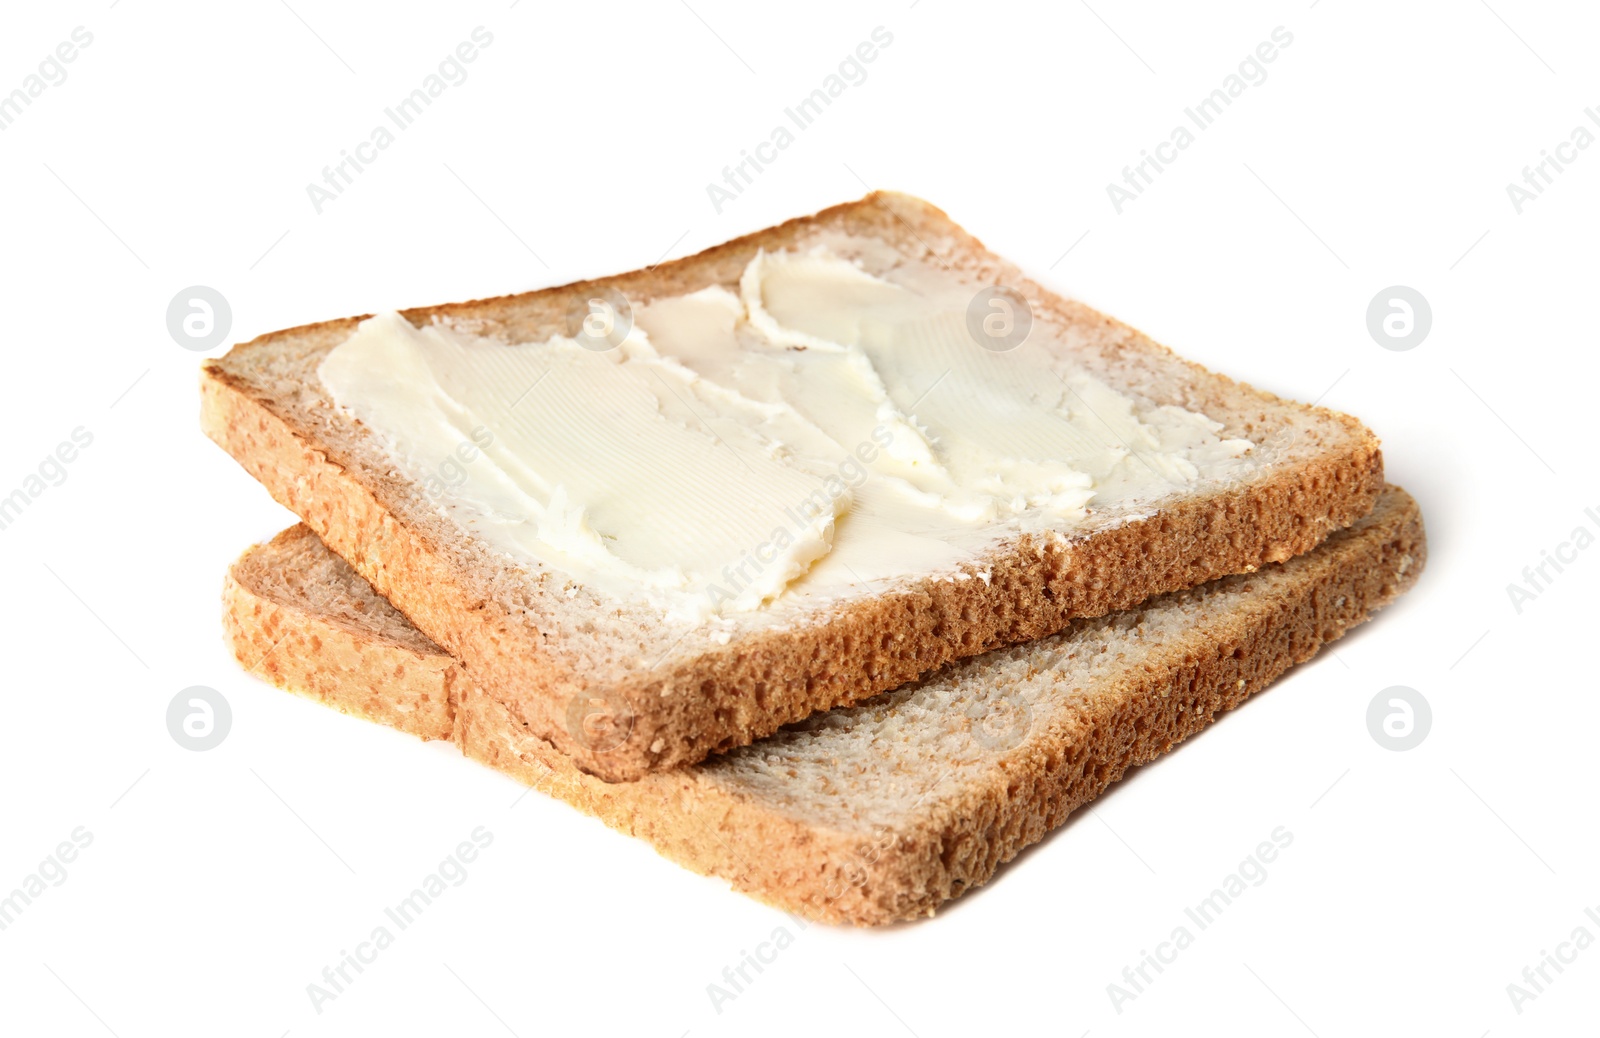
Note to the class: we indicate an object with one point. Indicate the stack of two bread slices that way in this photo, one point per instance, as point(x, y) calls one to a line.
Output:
point(895, 745)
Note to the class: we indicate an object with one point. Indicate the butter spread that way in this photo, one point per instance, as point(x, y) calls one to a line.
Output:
point(821, 428)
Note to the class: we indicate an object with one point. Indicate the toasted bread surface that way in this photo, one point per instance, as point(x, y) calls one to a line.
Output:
point(551, 652)
point(883, 811)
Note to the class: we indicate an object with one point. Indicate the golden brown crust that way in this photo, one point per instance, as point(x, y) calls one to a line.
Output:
point(1227, 641)
point(349, 669)
point(710, 698)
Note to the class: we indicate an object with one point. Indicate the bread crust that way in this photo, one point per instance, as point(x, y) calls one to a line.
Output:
point(852, 859)
point(535, 655)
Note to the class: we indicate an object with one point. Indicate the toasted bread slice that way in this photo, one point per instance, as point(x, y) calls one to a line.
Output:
point(552, 651)
point(882, 811)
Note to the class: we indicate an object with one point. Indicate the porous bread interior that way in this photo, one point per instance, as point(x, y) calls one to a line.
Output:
point(297, 568)
point(916, 793)
point(536, 640)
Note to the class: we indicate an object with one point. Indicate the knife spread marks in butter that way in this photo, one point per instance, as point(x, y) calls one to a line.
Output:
point(820, 428)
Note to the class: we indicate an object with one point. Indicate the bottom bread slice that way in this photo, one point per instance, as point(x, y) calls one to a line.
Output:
point(882, 811)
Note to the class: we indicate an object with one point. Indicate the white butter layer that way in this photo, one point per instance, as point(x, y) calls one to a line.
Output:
point(821, 429)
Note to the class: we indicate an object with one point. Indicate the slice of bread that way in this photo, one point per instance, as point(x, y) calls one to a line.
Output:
point(882, 811)
point(623, 688)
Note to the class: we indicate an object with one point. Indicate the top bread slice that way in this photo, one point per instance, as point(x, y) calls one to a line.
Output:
point(625, 690)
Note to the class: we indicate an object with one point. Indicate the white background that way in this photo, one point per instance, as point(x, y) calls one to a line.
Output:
point(1377, 152)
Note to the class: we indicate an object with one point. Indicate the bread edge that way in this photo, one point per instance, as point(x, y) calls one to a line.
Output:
point(853, 877)
point(769, 680)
